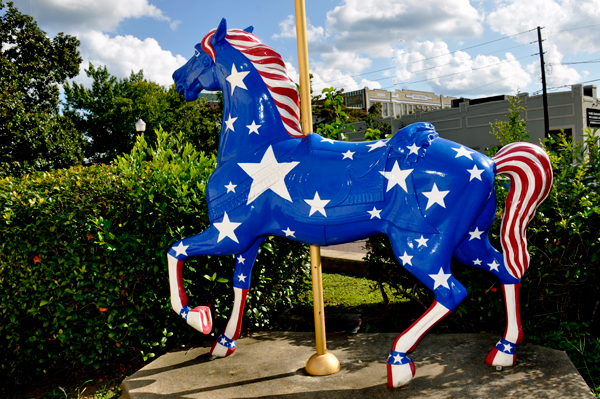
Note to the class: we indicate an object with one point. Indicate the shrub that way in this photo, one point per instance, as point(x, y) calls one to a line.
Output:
point(83, 271)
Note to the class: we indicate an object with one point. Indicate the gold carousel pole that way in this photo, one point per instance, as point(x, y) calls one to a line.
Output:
point(322, 362)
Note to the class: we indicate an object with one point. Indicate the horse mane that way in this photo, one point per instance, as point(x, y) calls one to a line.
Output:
point(272, 70)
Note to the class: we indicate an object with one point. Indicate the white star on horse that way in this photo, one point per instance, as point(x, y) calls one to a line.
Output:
point(440, 279)
point(180, 249)
point(475, 173)
point(226, 228)
point(475, 234)
point(268, 174)
point(236, 79)
point(317, 205)
point(435, 196)
point(463, 152)
point(397, 176)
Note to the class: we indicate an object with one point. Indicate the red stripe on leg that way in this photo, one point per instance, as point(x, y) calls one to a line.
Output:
point(489, 359)
point(240, 315)
point(390, 378)
point(183, 298)
point(520, 337)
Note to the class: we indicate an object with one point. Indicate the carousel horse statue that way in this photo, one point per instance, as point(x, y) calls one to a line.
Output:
point(433, 198)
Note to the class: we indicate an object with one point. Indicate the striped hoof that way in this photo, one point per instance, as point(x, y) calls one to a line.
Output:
point(223, 347)
point(400, 369)
point(503, 354)
point(199, 318)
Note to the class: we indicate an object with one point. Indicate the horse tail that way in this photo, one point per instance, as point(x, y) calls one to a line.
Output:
point(530, 172)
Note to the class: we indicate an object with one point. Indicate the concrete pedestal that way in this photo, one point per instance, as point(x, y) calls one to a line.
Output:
point(272, 365)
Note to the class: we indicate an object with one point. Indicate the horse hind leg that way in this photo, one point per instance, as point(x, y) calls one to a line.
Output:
point(448, 291)
point(225, 344)
point(477, 251)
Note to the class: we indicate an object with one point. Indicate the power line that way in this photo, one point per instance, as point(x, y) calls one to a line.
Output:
point(567, 30)
point(494, 82)
point(424, 69)
point(458, 73)
point(438, 56)
point(597, 60)
point(573, 84)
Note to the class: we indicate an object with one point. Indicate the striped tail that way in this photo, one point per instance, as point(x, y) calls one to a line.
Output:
point(531, 180)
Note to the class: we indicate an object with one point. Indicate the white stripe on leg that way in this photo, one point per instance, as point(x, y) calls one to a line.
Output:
point(512, 326)
point(414, 333)
point(174, 284)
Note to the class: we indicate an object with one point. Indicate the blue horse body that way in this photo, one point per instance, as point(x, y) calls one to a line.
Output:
point(432, 197)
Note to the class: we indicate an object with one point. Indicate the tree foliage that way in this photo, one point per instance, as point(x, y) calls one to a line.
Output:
point(513, 130)
point(33, 134)
point(107, 111)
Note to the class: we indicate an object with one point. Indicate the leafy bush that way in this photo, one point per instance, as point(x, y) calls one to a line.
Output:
point(83, 271)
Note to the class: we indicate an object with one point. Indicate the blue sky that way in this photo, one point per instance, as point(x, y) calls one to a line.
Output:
point(452, 47)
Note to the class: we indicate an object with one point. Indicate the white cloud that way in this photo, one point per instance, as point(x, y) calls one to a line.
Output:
point(345, 61)
point(292, 73)
point(559, 17)
point(375, 26)
point(78, 16)
point(123, 54)
point(556, 74)
point(288, 30)
point(324, 77)
point(450, 74)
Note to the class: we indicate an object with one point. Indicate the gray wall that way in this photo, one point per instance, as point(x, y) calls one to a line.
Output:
point(470, 124)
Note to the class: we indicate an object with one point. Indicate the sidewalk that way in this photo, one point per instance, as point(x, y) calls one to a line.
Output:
point(272, 364)
point(344, 258)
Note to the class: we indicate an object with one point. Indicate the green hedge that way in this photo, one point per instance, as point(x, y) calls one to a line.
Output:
point(83, 274)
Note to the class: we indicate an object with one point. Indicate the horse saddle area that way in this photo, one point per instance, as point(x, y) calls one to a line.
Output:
point(349, 177)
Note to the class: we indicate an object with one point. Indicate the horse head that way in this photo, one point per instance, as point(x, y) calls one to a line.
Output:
point(199, 72)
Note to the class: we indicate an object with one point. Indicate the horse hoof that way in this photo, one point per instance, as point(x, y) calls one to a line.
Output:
point(399, 375)
point(200, 318)
point(400, 369)
point(223, 347)
point(503, 354)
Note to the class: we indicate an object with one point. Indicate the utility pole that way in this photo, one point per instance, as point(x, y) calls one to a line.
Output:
point(545, 93)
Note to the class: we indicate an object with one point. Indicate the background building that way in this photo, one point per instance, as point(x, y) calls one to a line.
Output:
point(397, 103)
point(468, 121)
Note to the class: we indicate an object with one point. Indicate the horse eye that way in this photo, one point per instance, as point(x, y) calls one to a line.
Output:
point(197, 53)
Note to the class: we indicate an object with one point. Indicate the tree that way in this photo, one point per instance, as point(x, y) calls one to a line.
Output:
point(106, 113)
point(332, 115)
point(513, 130)
point(33, 134)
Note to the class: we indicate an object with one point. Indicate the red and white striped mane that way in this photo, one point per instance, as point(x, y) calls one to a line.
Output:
point(271, 68)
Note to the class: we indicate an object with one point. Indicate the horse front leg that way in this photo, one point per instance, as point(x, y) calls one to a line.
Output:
point(199, 317)
point(212, 241)
point(225, 345)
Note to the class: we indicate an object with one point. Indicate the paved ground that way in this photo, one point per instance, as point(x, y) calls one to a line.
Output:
point(344, 258)
point(272, 365)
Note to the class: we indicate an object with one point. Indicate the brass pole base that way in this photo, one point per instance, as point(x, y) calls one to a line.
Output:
point(322, 364)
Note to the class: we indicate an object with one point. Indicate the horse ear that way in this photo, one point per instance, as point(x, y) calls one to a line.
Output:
point(249, 29)
point(220, 33)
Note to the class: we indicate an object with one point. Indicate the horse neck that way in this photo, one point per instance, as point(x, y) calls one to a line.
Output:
point(253, 104)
